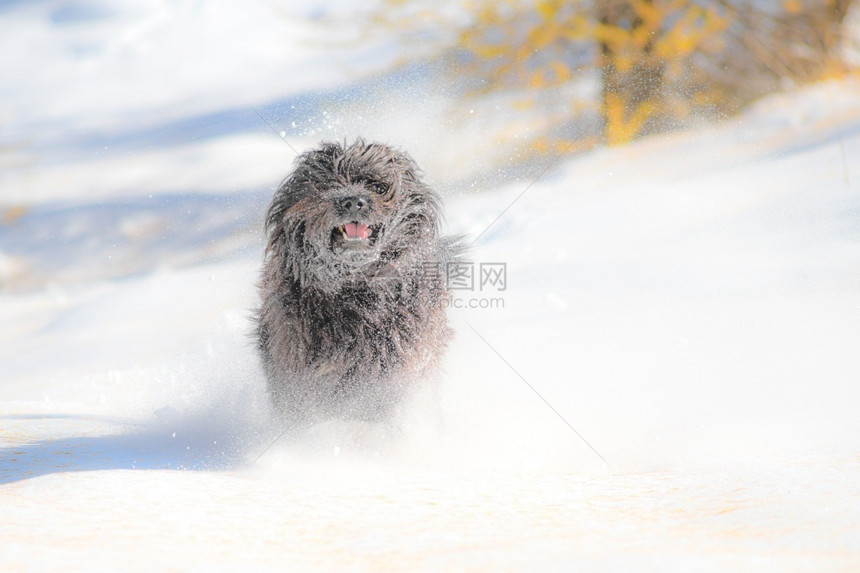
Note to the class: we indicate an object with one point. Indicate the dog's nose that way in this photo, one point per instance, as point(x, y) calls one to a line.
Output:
point(355, 205)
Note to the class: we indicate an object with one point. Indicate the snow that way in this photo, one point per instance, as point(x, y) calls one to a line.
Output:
point(688, 307)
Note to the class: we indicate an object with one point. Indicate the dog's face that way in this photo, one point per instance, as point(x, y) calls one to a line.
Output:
point(347, 208)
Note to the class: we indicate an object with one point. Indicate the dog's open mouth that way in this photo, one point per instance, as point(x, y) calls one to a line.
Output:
point(354, 235)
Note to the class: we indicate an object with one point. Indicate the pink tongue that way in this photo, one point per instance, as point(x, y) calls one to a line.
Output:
point(357, 230)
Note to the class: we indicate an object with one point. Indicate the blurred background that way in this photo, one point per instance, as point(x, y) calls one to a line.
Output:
point(146, 134)
point(668, 374)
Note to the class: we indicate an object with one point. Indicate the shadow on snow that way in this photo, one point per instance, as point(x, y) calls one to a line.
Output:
point(194, 446)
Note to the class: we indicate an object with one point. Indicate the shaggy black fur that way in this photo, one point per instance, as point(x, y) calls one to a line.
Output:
point(353, 283)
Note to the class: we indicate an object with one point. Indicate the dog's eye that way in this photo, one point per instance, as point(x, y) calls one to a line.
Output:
point(377, 187)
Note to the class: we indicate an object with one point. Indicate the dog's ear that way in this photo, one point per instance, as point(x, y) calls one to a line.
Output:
point(281, 203)
point(327, 151)
point(289, 193)
point(326, 158)
point(404, 168)
point(298, 185)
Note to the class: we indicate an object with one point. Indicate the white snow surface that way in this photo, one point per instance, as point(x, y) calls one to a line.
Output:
point(686, 308)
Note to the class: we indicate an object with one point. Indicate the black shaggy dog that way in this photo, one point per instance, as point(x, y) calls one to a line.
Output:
point(353, 284)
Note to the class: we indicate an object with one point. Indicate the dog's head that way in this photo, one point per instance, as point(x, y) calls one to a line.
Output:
point(348, 211)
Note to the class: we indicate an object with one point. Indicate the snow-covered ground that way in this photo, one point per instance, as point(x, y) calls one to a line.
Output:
point(686, 308)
